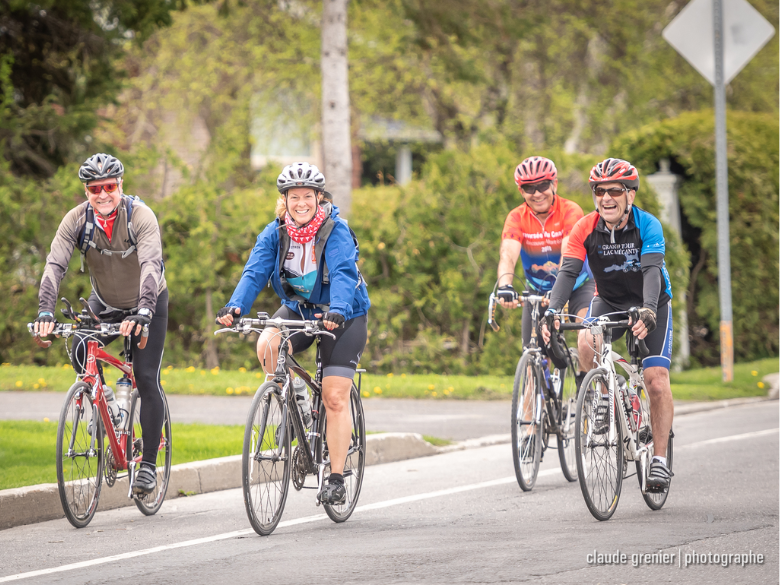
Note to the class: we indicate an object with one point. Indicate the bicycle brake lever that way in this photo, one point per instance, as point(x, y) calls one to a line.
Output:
point(89, 310)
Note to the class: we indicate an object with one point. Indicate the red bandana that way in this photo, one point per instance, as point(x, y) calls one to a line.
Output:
point(106, 223)
point(307, 232)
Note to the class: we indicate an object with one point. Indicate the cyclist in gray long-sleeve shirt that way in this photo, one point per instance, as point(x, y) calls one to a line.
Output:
point(124, 256)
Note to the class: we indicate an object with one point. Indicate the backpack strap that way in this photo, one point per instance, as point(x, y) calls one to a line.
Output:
point(87, 233)
point(131, 200)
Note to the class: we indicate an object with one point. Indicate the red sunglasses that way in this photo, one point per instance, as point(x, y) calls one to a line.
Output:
point(96, 189)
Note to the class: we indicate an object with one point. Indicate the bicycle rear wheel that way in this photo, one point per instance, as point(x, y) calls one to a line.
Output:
point(356, 459)
point(599, 459)
point(526, 427)
point(567, 419)
point(654, 500)
point(79, 460)
point(265, 465)
point(150, 503)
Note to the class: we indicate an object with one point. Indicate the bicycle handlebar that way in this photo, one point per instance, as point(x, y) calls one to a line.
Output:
point(68, 329)
point(604, 322)
point(245, 325)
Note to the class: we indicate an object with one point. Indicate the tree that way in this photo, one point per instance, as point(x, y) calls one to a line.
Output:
point(336, 129)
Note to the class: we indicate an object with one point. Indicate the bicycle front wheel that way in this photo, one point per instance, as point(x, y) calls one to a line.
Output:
point(567, 420)
point(599, 450)
point(150, 503)
point(527, 407)
point(265, 465)
point(356, 459)
point(79, 458)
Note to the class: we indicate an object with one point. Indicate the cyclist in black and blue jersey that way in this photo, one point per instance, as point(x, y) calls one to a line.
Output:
point(624, 246)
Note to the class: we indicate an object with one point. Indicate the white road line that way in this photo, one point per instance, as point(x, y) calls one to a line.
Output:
point(308, 519)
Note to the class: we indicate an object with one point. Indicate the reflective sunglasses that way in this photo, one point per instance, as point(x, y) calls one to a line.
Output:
point(96, 189)
point(614, 192)
point(531, 189)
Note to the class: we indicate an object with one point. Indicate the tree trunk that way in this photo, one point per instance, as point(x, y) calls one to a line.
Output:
point(212, 358)
point(336, 139)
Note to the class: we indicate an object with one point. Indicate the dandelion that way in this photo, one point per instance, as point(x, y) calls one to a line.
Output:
point(403, 375)
point(192, 386)
point(67, 367)
point(760, 384)
point(380, 246)
point(41, 381)
point(366, 394)
point(377, 390)
point(242, 370)
point(6, 364)
point(258, 375)
point(45, 419)
point(390, 375)
point(162, 382)
point(169, 367)
point(203, 372)
point(190, 369)
point(434, 394)
point(501, 386)
point(431, 386)
point(36, 386)
point(229, 390)
point(215, 371)
point(754, 373)
point(18, 383)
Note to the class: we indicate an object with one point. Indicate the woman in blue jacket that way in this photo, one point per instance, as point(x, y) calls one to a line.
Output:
point(310, 257)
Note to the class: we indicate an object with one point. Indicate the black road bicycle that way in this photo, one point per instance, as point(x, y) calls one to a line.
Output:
point(543, 403)
point(277, 445)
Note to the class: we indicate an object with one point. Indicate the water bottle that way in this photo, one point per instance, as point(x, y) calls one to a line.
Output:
point(113, 407)
point(636, 406)
point(124, 388)
point(302, 397)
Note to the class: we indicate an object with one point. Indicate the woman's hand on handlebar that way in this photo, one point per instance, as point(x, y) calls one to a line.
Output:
point(226, 315)
point(331, 320)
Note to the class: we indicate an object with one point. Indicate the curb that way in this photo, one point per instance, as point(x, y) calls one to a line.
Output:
point(39, 503)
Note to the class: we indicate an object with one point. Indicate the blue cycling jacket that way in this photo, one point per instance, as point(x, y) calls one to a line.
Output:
point(345, 293)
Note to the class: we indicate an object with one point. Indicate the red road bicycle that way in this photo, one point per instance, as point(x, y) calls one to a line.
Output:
point(84, 457)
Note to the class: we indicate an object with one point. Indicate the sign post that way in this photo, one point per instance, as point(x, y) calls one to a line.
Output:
point(719, 52)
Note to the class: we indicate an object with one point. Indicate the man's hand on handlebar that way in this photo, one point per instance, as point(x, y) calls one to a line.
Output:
point(331, 320)
point(226, 315)
point(645, 324)
point(545, 331)
point(44, 323)
point(507, 296)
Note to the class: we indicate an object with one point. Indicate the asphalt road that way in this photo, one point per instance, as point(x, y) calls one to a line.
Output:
point(452, 518)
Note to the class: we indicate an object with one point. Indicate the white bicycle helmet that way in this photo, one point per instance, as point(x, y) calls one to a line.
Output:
point(300, 174)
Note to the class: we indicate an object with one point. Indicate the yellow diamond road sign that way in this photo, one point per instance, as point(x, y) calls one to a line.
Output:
point(745, 31)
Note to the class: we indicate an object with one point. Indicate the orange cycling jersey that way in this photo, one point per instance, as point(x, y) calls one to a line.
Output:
point(541, 241)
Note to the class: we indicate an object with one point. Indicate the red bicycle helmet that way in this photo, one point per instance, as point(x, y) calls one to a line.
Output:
point(535, 169)
point(615, 170)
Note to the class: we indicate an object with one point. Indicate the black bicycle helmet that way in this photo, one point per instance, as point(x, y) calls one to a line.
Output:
point(101, 166)
point(300, 174)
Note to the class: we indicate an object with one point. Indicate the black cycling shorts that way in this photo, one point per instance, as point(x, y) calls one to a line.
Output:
point(580, 299)
point(658, 341)
point(340, 356)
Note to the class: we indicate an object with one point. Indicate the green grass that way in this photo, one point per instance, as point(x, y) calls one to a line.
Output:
point(700, 384)
point(706, 384)
point(28, 448)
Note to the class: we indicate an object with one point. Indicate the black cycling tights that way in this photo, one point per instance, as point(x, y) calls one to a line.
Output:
point(146, 368)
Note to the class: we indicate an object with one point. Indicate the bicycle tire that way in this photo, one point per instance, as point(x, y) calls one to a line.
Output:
point(355, 464)
point(526, 447)
point(265, 485)
point(78, 479)
point(566, 449)
point(150, 503)
point(654, 500)
point(599, 462)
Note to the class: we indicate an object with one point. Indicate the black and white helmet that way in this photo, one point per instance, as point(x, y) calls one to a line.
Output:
point(101, 166)
point(300, 174)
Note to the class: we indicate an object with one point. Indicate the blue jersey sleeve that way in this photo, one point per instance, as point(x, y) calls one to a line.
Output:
point(257, 270)
point(651, 233)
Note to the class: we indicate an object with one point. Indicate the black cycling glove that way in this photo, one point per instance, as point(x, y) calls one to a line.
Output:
point(225, 311)
point(45, 317)
point(143, 319)
point(336, 318)
point(507, 293)
point(647, 316)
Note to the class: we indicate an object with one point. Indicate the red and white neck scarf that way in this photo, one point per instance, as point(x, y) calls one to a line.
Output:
point(307, 232)
point(107, 223)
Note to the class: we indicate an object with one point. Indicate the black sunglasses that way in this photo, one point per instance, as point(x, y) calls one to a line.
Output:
point(614, 192)
point(531, 189)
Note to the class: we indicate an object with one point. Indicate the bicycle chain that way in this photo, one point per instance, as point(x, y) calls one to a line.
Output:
point(109, 469)
point(298, 469)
